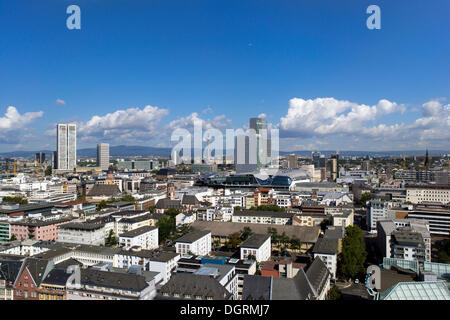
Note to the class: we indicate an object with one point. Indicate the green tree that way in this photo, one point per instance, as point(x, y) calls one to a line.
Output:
point(295, 243)
point(364, 198)
point(172, 212)
point(13, 238)
point(245, 233)
point(251, 257)
point(216, 244)
point(273, 234)
point(334, 293)
point(284, 239)
point(184, 229)
point(268, 208)
point(48, 171)
point(353, 255)
point(111, 240)
point(15, 200)
point(166, 227)
point(443, 247)
point(101, 205)
point(234, 240)
point(324, 224)
point(128, 198)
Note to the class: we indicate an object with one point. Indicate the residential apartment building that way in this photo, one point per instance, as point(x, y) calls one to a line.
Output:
point(263, 217)
point(376, 210)
point(82, 233)
point(162, 262)
point(327, 250)
point(195, 242)
point(144, 237)
point(37, 229)
point(257, 245)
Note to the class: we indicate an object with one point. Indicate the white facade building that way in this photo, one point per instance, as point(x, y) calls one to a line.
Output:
point(196, 242)
point(66, 145)
point(257, 245)
point(103, 156)
point(82, 233)
point(145, 237)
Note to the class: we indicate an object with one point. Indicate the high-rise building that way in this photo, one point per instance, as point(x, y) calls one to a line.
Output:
point(66, 145)
point(103, 156)
point(54, 163)
point(254, 152)
point(315, 159)
point(292, 160)
point(40, 157)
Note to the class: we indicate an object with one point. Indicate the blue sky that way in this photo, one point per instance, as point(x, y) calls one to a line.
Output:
point(312, 68)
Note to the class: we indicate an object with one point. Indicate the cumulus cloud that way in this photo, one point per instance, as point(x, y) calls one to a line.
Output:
point(60, 102)
point(132, 123)
point(12, 121)
point(220, 122)
point(322, 116)
point(330, 117)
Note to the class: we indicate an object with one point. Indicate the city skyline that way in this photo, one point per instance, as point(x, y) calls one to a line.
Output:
point(326, 84)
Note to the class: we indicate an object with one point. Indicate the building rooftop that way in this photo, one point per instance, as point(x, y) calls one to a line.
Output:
point(82, 226)
point(193, 236)
point(154, 255)
point(223, 229)
point(115, 280)
point(407, 237)
point(255, 213)
point(255, 241)
point(137, 232)
point(187, 285)
point(426, 290)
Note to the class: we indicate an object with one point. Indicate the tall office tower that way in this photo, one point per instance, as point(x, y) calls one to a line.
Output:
point(40, 157)
point(103, 156)
point(292, 161)
point(263, 142)
point(66, 145)
point(315, 158)
point(336, 156)
point(54, 163)
point(322, 161)
point(244, 160)
point(252, 152)
point(332, 169)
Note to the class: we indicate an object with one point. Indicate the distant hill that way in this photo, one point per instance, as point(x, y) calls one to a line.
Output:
point(131, 151)
point(370, 153)
point(114, 151)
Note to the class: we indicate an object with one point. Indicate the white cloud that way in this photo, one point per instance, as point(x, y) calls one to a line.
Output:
point(220, 122)
point(262, 115)
point(60, 102)
point(323, 116)
point(208, 110)
point(13, 120)
point(13, 124)
point(130, 124)
point(331, 118)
